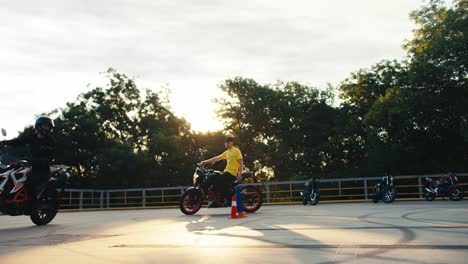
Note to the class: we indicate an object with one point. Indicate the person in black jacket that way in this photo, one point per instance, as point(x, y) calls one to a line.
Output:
point(42, 146)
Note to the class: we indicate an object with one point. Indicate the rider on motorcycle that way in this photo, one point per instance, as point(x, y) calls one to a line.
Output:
point(42, 146)
point(235, 165)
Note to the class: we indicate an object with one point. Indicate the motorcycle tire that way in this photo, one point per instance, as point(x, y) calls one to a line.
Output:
point(390, 199)
point(45, 209)
point(316, 200)
point(191, 201)
point(251, 198)
point(374, 198)
point(429, 197)
point(305, 201)
point(456, 195)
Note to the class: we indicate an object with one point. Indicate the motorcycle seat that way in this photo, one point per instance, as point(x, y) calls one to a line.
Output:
point(247, 174)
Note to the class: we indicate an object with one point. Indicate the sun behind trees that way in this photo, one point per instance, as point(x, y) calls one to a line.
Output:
point(398, 117)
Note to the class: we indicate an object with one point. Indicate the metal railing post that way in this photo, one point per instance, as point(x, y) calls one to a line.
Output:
point(290, 192)
point(143, 194)
point(366, 195)
point(267, 187)
point(125, 198)
point(101, 200)
point(420, 186)
point(162, 196)
point(108, 199)
point(81, 200)
point(339, 188)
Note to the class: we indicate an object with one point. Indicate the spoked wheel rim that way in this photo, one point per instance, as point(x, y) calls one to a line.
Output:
point(191, 202)
point(388, 196)
point(456, 193)
point(44, 214)
point(251, 199)
point(313, 197)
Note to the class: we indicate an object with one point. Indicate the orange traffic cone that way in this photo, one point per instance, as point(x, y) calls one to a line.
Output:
point(233, 208)
point(234, 213)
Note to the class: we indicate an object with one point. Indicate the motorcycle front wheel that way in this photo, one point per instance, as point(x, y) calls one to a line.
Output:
point(429, 196)
point(374, 196)
point(305, 201)
point(45, 209)
point(191, 201)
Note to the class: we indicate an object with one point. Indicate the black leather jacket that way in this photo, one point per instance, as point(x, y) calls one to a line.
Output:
point(42, 150)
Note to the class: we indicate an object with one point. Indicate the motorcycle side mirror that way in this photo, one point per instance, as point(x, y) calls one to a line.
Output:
point(4, 133)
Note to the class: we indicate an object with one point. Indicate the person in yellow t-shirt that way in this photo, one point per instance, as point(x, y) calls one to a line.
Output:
point(234, 167)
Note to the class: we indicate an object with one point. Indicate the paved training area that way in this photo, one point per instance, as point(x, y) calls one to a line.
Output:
point(408, 232)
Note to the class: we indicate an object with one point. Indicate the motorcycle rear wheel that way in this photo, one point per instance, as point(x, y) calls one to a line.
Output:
point(191, 201)
point(45, 209)
point(389, 196)
point(456, 195)
point(314, 198)
point(251, 198)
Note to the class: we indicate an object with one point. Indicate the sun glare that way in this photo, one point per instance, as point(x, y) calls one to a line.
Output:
point(194, 101)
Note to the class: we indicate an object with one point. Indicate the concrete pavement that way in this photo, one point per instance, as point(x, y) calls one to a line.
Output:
point(405, 232)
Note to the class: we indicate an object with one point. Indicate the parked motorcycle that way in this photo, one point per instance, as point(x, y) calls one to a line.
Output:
point(446, 186)
point(203, 189)
point(16, 199)
point(311, 192)
point(385, 190)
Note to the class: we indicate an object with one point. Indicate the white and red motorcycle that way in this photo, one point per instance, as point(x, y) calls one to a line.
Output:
point(16, 199)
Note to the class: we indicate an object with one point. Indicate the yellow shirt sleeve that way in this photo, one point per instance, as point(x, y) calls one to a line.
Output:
point(224, 155)
point(238, 154)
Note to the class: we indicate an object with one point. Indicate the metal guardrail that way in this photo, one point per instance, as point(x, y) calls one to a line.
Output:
point(331, 190)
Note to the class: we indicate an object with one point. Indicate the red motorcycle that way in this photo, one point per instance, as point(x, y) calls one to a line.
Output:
point(446, 186)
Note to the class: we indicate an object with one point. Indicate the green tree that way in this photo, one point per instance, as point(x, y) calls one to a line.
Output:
point(284, 126)
point(413, 113)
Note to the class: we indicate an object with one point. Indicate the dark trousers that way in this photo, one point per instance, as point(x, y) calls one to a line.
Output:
point(224, 185)
point(40, 175)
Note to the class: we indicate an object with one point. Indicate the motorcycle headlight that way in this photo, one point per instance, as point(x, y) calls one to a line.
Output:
point(195, 177)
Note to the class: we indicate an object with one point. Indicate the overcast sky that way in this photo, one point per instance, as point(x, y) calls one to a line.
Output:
point(50, 51)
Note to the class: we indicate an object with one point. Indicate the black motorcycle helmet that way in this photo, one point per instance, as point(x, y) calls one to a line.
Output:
point(41, 121)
